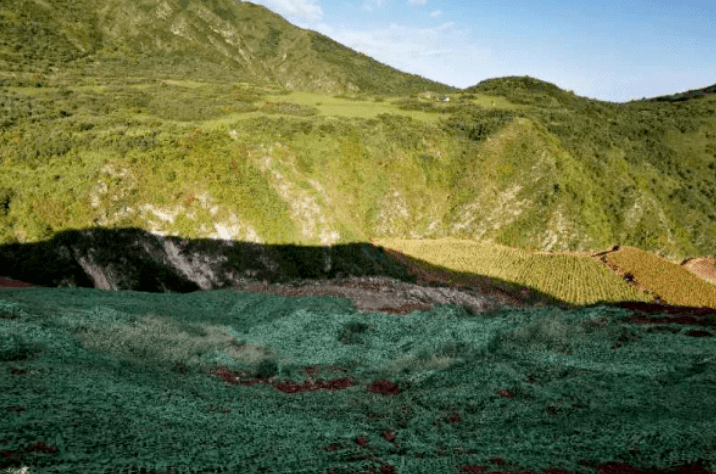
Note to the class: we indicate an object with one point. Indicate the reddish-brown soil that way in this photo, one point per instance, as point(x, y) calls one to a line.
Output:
point(391, 296)
point(9, 283)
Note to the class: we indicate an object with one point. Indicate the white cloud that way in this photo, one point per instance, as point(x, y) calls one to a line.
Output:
point(442, 53)
point(445, 26)
point(368, 4)
point(294, 9)
point(437, 53)
point(418, 2)
point(321, 28)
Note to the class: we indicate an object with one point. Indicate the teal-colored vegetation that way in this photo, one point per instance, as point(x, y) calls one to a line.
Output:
point(84, 370)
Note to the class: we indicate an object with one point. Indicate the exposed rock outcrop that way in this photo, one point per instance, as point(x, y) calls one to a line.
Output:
point(133, 259)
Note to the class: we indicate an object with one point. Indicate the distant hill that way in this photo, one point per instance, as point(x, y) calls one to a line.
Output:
point(525, 90)
point(682, 96)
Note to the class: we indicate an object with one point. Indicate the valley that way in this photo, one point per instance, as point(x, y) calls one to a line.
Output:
point(230, 244)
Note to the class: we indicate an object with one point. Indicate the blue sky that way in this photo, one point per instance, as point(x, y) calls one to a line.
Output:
point(603, 49)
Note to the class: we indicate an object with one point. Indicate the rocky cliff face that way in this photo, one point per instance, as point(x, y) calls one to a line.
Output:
point(136, 260)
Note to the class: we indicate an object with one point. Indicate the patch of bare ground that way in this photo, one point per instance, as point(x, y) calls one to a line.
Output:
point(506, 293)
point(704, 268)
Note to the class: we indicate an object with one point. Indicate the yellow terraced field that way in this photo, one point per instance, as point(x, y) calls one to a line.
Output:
point(673, 283)
point(575, 278)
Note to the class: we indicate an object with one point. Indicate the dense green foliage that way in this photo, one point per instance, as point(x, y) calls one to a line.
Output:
point(83, 88)
point(156, 123)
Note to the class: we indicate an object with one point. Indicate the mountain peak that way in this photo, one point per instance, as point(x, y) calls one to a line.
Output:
point(224, 39)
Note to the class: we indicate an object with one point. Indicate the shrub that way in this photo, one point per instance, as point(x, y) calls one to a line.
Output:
point(14, 348)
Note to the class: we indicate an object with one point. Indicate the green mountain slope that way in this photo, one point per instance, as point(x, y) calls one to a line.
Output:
point(214, 40)
point(221, 119)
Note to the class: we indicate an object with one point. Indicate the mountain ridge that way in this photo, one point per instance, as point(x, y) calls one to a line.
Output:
point(243, 40)
point(146, 132)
